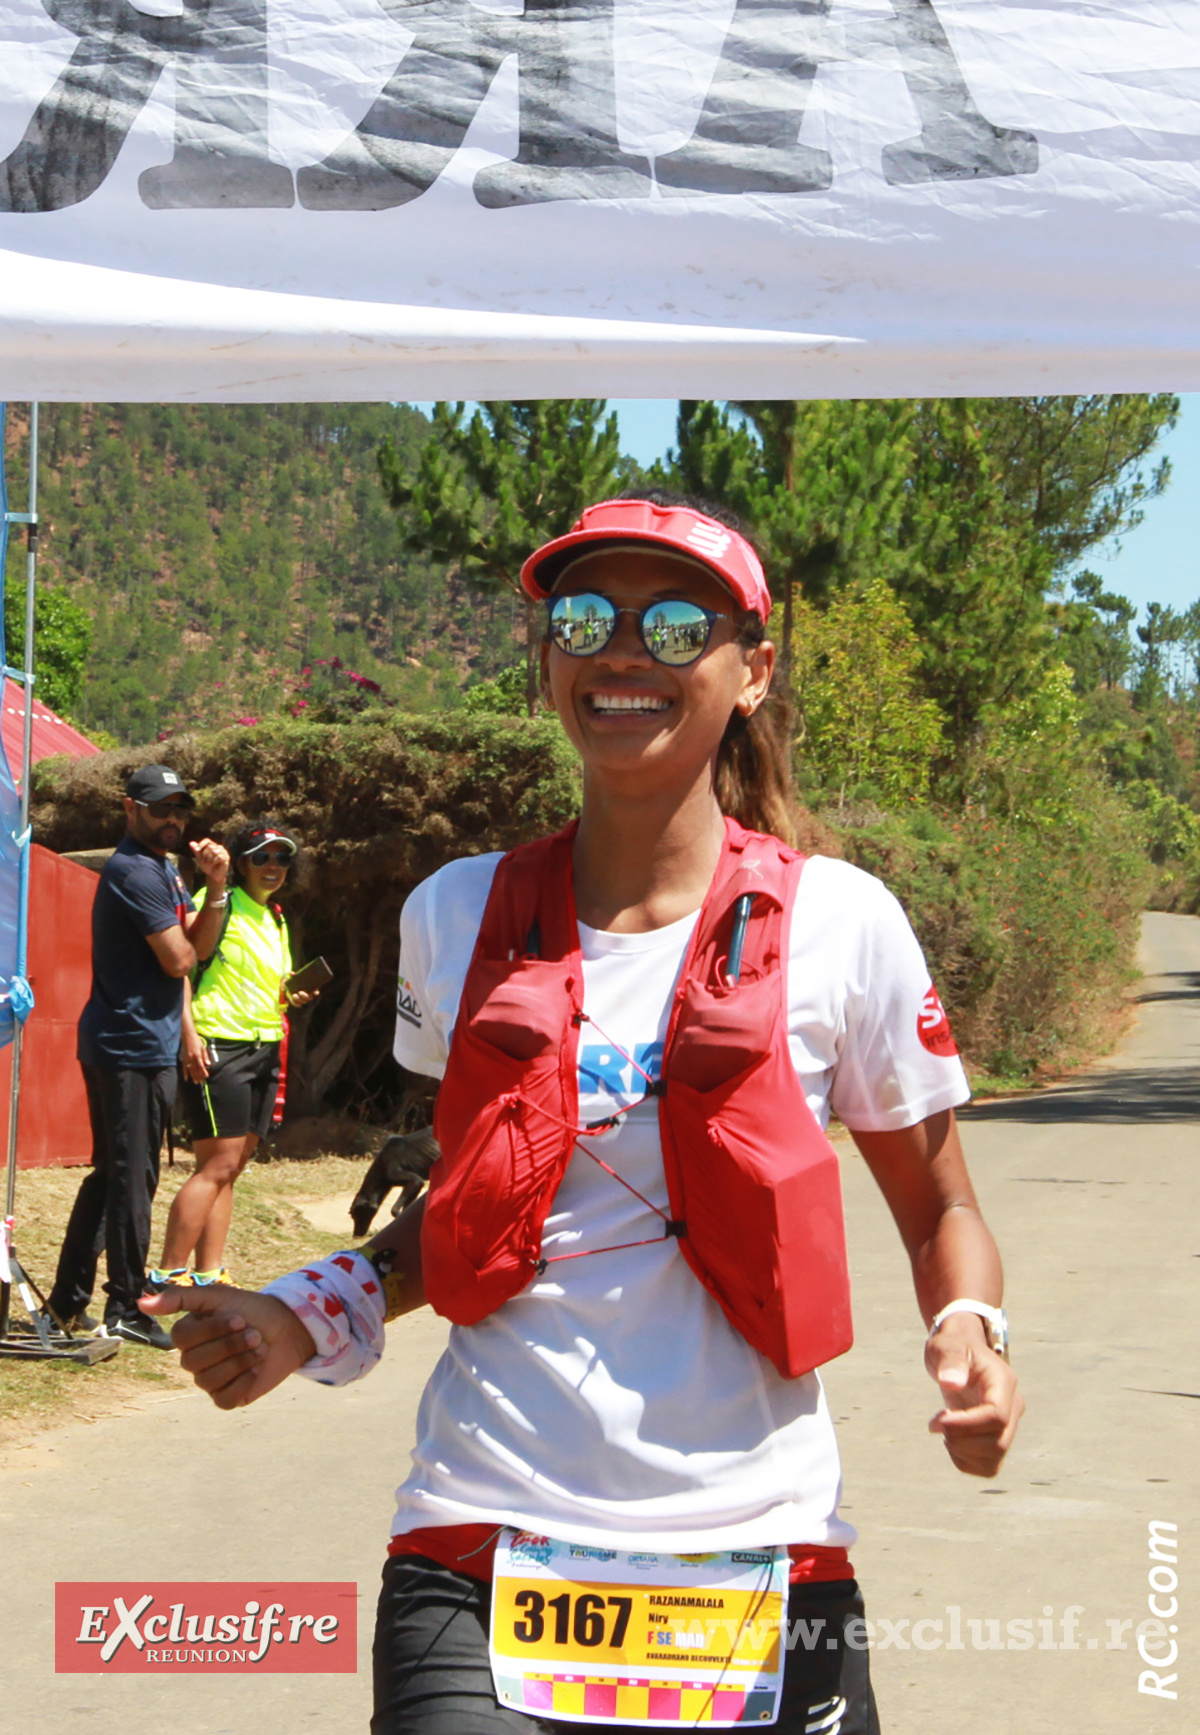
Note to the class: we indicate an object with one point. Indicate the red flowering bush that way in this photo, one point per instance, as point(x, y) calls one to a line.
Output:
point(328, 691)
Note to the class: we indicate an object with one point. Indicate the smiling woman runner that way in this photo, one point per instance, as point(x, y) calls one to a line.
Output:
point(625, 1473)
point(232, 1035)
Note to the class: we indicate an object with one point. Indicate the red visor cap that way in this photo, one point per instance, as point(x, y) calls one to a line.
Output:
point(680, 528)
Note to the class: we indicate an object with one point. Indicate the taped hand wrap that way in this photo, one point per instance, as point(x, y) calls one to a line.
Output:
point(340, 1302)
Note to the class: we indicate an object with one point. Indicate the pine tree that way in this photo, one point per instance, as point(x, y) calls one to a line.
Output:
point(488, 490)
point(969, 508)
point(62, 639)
point(819, 483)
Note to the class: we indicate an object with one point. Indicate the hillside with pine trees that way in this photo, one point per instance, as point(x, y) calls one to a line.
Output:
point(218, 552)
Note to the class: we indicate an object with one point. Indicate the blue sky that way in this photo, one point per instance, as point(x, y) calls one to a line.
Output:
point(1157, 562)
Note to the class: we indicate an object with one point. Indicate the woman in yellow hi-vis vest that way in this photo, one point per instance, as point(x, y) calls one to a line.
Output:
point(232, 1032)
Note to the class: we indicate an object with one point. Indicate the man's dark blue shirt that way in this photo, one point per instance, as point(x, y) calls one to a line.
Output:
point(133, 1016)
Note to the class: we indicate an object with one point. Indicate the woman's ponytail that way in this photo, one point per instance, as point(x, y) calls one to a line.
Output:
point(754, 781)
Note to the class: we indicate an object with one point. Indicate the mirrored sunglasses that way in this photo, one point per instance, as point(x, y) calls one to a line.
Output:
point(260, 857)
point(674, 632)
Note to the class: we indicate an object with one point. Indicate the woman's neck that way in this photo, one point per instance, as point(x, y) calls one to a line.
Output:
point(641, 862)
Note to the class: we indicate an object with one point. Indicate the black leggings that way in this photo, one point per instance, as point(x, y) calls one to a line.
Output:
point(432, 1675)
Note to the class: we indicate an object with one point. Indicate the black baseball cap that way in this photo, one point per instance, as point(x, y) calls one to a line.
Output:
point(157, 783)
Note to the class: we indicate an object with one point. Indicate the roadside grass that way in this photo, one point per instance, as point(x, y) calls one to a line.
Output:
point(269, 1234)
point(1111, 1023)
point(989, 1084)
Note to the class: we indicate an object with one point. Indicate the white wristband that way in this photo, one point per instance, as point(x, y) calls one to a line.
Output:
point(341, 1303)
point(995, 1322)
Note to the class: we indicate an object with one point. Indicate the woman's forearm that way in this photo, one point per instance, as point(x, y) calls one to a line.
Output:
point(959, 1260)
point(922, 1175)
point(396, 1253)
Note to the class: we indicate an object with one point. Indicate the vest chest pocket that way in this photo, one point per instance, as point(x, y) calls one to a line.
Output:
point(500, 1122)
point(723, 1033)
point(519, 1006)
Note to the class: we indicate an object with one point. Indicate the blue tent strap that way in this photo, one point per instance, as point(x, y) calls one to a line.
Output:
point(4, 519)
point(19, 996)
point(23, 928)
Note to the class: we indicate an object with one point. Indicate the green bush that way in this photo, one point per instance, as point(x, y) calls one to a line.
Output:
point(1029, 931)
point(380, 802)
point(865, 731)
point(1028, 926)
point(1171, 837)
point(503, 697)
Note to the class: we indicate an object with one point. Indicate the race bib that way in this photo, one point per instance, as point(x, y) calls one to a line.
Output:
point(599, 1635)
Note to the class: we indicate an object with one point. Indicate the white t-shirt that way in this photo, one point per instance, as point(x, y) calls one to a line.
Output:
point(611, 1400)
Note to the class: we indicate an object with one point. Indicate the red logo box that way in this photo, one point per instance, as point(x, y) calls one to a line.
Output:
point(137, 1628)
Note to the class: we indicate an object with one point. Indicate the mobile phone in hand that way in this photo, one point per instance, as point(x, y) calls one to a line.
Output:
point(309, 979)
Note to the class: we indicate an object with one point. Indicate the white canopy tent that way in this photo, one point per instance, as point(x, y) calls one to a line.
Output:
point(240, 200)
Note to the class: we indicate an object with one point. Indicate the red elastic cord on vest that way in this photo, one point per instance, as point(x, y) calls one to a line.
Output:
point(672, 1229)
point(470, 1549)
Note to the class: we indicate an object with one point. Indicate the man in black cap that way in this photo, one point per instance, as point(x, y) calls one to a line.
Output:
point(146, 937)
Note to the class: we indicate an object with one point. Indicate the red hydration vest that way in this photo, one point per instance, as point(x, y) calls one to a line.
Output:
point(752, 1180)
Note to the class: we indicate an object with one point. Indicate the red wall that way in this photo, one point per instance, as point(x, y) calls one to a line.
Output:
point(53, 1125)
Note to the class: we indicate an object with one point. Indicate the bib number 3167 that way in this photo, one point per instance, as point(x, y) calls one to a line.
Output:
point(601, 1635)
point(587, 1619)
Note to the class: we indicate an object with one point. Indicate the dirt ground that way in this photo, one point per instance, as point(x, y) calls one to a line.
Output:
point(274, 1228)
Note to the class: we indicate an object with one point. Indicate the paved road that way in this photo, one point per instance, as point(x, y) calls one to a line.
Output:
point(1091, 1188)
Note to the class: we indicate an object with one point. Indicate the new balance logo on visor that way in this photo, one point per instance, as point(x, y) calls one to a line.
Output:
point(709, 540)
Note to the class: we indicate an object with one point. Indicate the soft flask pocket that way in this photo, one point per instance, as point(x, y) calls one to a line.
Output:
point(515, 1005)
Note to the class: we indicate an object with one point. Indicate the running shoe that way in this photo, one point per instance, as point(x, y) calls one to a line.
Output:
point(157, 1280)
point(80, 1324)
point(202, 1279)
point(140, 1330)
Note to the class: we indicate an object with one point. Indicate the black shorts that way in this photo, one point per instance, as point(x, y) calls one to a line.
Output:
point(238, 1096)
point(432, 1675)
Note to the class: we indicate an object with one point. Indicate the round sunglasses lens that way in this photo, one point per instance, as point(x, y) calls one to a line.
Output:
point(580, 625)
point(675, 632)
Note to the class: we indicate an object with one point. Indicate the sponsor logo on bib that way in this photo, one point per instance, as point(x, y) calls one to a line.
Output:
point(528, 1547)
